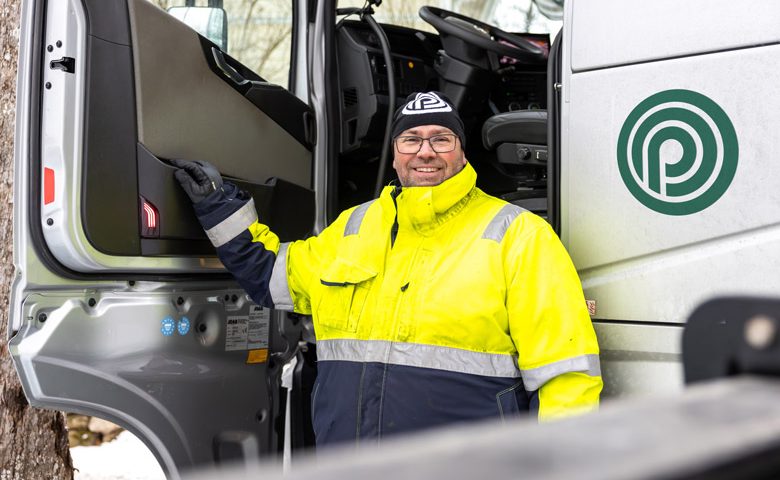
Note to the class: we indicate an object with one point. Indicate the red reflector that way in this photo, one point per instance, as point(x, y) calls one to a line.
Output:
point(48, 186)
point(150, 219)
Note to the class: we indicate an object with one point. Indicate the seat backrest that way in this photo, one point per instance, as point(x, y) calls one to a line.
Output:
point(521, 126)
point(519, 139)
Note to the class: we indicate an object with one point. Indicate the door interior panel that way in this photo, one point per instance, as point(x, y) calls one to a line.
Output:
point(186, 111)
point(156, 91)
point(110, 189)
point(285, 206)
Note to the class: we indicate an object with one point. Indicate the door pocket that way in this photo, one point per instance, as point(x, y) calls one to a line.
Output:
point(345, 289)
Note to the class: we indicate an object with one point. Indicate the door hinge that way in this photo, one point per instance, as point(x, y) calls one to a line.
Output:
point(66, 64)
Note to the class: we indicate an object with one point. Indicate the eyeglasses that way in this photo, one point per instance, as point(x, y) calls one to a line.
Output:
point(442, 143)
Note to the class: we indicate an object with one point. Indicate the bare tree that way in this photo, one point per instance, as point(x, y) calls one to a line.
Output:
point(406, 12)
point(259, 30)
point(530, 16)
point(164, 4)
point(259, 34)
point(33, 442)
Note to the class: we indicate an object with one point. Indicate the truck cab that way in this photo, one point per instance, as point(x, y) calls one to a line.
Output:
point(637, 130)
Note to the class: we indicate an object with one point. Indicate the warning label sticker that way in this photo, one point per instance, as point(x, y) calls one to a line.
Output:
point(248, 332)
point(257, 356)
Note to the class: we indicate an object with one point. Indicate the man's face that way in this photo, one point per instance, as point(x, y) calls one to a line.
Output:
point(427, 167)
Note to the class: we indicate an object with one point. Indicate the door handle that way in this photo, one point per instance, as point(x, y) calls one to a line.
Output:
point(234, 76)
point(226, 69)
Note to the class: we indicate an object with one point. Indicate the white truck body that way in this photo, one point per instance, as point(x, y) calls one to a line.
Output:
point(665, 178)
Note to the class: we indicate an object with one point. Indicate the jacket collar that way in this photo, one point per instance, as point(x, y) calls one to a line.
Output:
point(424, 208)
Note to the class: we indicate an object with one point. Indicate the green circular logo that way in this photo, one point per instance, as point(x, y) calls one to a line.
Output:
point(677, 152)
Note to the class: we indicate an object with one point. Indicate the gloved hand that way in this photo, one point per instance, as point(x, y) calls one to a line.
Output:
point(199, 179)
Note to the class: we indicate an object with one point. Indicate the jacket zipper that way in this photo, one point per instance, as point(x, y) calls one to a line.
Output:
point(394, 230)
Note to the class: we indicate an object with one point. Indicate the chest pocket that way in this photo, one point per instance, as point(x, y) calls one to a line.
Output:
point(345, 288)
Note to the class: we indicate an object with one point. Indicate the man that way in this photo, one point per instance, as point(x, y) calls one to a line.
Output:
point(435, 303)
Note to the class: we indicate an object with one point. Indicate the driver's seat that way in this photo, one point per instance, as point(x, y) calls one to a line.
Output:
point(519, 139)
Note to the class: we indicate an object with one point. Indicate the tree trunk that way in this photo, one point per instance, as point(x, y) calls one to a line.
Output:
point(33, 442)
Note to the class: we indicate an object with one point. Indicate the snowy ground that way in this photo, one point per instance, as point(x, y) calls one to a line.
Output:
point(124, 458)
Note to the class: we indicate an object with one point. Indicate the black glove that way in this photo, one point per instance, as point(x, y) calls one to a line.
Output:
point(199, 179)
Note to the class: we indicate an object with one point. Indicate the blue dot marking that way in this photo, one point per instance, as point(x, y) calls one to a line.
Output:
point(168, 326)
point(184, 326)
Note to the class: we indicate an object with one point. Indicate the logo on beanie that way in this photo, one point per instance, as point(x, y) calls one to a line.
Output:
point(426, 103)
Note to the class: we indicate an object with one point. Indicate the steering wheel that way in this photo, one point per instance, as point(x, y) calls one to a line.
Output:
point(481, 34)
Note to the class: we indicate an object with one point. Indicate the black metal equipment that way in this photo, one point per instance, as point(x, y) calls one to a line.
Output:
point(732, 336)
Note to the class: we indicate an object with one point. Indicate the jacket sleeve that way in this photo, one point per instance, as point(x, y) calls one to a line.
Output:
point(276, 275)
point(245, 247)
point(558, 353)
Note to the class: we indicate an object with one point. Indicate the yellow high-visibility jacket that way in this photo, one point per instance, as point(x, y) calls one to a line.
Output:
point(431, 305)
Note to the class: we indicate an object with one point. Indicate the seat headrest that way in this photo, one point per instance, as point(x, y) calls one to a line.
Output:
point(520, 126)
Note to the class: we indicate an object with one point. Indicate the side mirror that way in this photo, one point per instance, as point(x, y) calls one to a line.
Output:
point(552, 9)
point(208, 21)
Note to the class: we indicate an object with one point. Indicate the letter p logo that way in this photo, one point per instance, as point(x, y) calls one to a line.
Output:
point(677, 152)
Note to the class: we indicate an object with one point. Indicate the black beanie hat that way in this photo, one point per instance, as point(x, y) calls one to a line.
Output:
point(428, 108)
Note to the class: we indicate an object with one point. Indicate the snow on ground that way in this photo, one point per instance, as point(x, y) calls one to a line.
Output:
point(124, 458)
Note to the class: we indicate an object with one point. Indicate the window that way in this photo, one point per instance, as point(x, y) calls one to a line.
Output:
point(509, 15)
point(259, 34)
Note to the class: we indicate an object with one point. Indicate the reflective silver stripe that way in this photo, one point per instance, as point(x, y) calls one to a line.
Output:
point(278, 286)
point(497, 227)
point(417, 355)
point(536, 377)
point(231, 227)
point(356, 218)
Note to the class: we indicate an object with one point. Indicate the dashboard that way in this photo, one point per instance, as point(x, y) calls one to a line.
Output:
point(363, 82)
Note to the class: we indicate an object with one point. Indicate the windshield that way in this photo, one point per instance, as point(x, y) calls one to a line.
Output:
point(509, 15)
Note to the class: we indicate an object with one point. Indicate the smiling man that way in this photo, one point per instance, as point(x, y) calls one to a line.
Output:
point(433, 304)
point(428, 141)
point(427, 155)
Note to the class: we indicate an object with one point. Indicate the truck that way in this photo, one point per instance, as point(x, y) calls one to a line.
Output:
point(637, 131)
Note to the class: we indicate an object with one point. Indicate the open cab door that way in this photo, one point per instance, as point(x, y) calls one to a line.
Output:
point(119, 308)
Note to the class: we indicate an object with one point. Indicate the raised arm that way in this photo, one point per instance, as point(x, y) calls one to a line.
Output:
point(246, 247)
point(274, 274)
